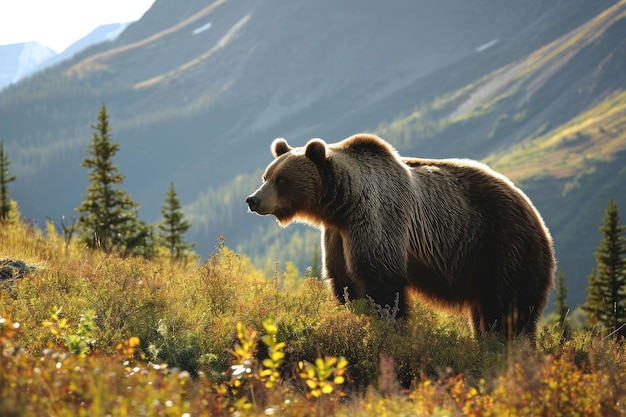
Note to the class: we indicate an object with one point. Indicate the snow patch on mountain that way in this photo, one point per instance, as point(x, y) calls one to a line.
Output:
point(202, 28)
point(31, 58)
point(19, 61)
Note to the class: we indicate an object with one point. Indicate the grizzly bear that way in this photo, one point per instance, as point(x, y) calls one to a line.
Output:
point(454, 230)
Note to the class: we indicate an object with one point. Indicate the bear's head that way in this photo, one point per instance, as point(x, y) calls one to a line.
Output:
point(292, 184)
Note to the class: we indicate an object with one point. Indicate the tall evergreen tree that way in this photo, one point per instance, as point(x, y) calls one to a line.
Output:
point(174, 226)
point(606, 296)
point(108, 215)
point(562, 310)
point(5, 179)
point(316, 269)
point(140, 241)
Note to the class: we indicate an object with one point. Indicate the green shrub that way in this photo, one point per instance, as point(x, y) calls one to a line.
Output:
point(104, 335)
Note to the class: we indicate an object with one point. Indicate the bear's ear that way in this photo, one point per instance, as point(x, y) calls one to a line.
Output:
point(279, 147)
point(316, 150)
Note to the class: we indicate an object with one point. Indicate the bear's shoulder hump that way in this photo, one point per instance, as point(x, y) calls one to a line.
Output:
point(366, 143)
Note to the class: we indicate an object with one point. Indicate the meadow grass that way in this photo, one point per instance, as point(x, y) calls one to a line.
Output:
point(93, 334)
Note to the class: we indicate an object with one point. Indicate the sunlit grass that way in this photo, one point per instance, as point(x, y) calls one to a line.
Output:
point(561, 153)
point(102, 335)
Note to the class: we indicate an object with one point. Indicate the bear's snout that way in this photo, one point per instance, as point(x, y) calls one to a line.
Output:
point(253, 202)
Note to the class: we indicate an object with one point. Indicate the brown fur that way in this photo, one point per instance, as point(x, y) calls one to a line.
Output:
point(461, 234)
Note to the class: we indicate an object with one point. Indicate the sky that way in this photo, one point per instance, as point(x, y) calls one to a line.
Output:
point(59, 23)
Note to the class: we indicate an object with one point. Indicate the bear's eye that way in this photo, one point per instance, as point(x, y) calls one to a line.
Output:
point(280, 180)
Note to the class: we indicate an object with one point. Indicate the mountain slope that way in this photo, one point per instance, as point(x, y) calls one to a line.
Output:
point(553, 121)
point(196, 90)
point(261, 81)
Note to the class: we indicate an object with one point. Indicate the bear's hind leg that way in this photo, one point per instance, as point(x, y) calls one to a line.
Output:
point(506, 320)
point(486, 320)
point(524, 320)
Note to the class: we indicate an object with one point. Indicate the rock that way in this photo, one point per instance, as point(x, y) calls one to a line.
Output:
point(10, 269)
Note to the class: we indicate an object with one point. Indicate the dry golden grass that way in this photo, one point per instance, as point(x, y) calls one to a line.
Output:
point(102, 335)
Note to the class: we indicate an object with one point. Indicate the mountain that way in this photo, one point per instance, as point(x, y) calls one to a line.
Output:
point(18, 61)
point(196, 90)
point(102, 33)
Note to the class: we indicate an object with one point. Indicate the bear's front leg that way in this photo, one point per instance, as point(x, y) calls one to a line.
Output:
point(383, 277)
point(393, 296)
point(336, 269)
point(378, 261)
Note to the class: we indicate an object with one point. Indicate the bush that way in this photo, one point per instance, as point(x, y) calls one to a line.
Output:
point(104, 335)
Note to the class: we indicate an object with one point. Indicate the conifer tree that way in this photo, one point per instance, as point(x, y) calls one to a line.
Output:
point(606, 297)
point(174, 226)
point(562, 310)
point(316, 269)
point(594, 305)
point(140, 241)
point(108, 215)
point(5, 179)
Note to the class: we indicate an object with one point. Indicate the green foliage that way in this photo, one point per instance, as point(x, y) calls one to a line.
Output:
point(108, 215)
point(77, 341)
point(173, 227)
point(151, 337)
point(324, 376)
point(5, 179)
point(251, 382)
point(606, 300)
point(274, 352)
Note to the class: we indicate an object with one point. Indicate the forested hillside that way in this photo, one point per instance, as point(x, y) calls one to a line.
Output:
point(196, 91)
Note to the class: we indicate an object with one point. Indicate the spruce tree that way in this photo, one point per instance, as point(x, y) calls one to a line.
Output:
point(140, 240)
point(174, 226)
point(108, 215)
point(606, 297)
point(562, 310)
point(316, 269)
point(594, 305)
point(5, 179)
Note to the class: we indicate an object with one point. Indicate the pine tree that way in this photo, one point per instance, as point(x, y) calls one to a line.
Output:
point(108, 215)
point(5, 179)
point(174, 226)
point(562, 310)
point(316, 269)
point(594, 305)
point(140, 240)
point(606, 296)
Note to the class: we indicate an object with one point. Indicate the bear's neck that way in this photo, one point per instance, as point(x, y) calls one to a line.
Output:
point(338, 202)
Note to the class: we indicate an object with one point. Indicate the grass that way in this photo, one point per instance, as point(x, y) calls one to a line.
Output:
point(90, 334)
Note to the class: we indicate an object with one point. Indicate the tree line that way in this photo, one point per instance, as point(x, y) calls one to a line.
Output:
point(108, 217)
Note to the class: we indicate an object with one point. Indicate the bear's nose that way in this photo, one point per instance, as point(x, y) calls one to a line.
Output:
point(253, 202)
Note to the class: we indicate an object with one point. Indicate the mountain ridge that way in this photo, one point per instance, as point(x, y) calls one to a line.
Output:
point(40, 57)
